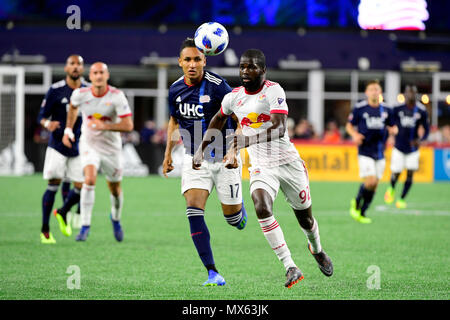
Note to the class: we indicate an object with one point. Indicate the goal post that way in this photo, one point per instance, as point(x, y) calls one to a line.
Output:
point(12, 122)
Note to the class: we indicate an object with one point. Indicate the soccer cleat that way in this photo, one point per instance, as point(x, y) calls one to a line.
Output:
point(324, 262)
point(243, 222)
point(364, 220)
point(84, 232)
point(118, 232)
point(47, 238)
point(389, 195)
point(401, 204)
point(293, 275)
point(354, 213)
point(65, 228)
point(214, 279)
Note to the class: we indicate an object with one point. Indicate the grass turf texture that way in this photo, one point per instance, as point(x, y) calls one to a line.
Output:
point(157, 259)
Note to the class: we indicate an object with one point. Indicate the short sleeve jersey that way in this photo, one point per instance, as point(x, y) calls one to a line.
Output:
point(193, 106)
point(408, 121)
point(254, 109)
point(54, 107)
point(371, 122)
point(109, 107)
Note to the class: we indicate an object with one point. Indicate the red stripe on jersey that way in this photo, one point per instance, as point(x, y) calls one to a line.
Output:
point(125, 115)
point(236, 89)
point(221, 111)
point(279, 111)
point(85, 89)
point(269, 83)
point(115, 90)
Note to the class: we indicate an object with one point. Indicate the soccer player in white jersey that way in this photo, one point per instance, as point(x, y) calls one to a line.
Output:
point(260, 105)
point(106, 113)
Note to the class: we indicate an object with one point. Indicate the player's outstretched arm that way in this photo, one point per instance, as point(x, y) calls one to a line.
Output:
point(173, 136)
point(216, 123)
point(69, 137)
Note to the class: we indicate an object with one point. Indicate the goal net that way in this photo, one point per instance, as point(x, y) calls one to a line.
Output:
point(12, 122)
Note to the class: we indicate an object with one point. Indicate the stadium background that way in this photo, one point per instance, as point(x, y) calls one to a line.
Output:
point(316, 49)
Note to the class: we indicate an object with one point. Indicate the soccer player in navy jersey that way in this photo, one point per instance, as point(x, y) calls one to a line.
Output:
point(193, 100)
point(61, 161)
point(369, 125)
point(409, 118)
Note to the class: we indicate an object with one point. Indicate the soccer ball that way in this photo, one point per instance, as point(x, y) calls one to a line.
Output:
point(211, 38)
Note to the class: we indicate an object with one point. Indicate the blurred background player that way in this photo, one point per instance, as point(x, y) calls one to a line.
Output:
point(260, 105)
point(106, 113)
point(60, 160)
point(368, 125)
point(410, 118)
point(193, 100)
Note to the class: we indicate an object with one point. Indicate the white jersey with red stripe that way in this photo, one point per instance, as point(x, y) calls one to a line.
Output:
point(108, 107)
point(253, 110)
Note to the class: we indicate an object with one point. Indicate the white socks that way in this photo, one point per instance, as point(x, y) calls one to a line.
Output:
point(87, 199)
point(314, 237)
point(116, 206)
point(274, 235)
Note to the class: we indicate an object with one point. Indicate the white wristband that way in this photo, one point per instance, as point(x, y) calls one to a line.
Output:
point(69, 132)
point(46, 123)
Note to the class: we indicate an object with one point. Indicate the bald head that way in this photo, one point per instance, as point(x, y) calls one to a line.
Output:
point(99, 74)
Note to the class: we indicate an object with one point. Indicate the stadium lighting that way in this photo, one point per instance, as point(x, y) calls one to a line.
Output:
point(400, 98)
point(447, 99)
point(425, 99)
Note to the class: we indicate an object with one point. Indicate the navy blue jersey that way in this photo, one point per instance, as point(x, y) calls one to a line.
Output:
point(371, 122)
point(194, 107)
point(408, 121)
point(54, 107)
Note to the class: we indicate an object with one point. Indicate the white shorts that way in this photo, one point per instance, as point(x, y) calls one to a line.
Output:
point(58, 166)
point(292, 178)
point(371, 167)
point(227, 181)
point(110, 164)
point(400, 161)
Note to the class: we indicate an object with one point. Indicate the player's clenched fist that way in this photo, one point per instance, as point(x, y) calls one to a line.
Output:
point(167, 166)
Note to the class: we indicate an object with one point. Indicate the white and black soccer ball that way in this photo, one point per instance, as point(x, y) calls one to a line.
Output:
point(211, 38)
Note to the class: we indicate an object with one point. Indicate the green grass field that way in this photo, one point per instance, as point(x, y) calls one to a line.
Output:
point(157, 259)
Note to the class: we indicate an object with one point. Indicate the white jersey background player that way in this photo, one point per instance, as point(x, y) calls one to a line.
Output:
point(106, 113)
point(261, 108)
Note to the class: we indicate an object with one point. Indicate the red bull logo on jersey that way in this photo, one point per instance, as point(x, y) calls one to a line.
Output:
point(99, 117)
point(254, 120)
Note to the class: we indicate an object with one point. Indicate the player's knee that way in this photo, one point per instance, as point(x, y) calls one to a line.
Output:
point(54, 181)
point(263, 208)
point(78, 185)
point(371, 183)
point(89, 180)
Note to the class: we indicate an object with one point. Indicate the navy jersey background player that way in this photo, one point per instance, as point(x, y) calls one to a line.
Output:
point(194, 99)
point(411, 119)
point(60, 160)
point(194, 106)
point(368, 126)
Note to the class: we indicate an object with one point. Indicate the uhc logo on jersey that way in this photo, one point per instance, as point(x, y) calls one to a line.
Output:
point(191, 111)
point(375, 122)
point(408, 122)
